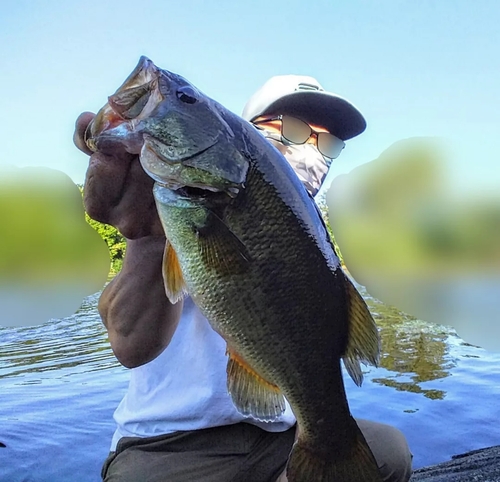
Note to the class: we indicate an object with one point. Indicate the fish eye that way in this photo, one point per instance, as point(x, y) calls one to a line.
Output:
point(187, 94)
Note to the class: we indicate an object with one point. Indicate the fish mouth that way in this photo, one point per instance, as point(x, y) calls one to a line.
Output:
point(116, 122)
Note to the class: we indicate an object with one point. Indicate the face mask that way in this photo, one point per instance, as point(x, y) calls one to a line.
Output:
point(307, 162)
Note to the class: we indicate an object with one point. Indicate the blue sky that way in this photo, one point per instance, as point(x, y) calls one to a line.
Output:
point(426, 68)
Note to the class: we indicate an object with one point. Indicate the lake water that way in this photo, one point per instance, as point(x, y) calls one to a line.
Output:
point(59, 385)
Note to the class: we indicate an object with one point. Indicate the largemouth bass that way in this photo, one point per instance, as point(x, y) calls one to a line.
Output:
point(248, 244)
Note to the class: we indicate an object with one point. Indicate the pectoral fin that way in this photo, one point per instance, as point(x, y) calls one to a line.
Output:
point(252, 394)
point(220, 248)
point(175, 287)
point(363, 344)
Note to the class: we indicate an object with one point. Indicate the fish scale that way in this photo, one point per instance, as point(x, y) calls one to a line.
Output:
point(274, 307)
point(247, 243)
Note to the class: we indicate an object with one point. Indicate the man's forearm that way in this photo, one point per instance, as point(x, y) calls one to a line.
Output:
point(134, 308)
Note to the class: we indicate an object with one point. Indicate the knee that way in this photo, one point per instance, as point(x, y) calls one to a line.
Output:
point(391, 450)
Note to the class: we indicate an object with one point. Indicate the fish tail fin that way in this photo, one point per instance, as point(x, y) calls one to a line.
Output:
point(356, 465)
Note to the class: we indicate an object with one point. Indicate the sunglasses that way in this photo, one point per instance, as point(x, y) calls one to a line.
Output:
point(297, 131)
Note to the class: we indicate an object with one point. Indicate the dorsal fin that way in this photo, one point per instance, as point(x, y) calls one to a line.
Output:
point(363, 345)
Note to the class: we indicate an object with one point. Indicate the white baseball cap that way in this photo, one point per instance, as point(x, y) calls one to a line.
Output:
point(304, 97)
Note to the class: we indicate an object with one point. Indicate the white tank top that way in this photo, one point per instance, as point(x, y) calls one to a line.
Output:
point(184, 388)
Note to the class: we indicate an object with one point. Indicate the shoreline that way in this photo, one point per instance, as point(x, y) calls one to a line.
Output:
point(476, 465)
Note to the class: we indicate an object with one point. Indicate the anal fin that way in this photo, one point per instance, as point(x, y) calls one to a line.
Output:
point(252, 394)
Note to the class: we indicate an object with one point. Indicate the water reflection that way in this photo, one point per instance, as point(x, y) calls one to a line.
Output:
point(60, 383)
point(412, 350)
point(58, 345)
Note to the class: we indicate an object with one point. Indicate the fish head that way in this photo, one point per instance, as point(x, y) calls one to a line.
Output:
point(185, 140)
point(116, 124)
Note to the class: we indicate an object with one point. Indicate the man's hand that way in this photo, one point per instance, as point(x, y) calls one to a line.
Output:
point(134, 308)
point(117, 191)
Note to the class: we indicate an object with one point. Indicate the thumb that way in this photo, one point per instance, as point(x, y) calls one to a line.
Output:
point(81, 125)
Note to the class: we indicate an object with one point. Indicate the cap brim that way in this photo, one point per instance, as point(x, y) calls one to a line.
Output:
point(334, 113)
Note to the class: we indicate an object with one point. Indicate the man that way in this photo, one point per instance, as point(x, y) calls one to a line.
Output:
point(177, 421)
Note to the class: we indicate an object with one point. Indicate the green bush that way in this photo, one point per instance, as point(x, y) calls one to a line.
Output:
point(115, 241)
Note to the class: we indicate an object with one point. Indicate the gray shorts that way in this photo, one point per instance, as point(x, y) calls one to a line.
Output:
point(236, 453)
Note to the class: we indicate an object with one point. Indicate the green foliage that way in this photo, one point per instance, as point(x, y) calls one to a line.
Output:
point(117, 244)
point(324, 213)
point(115, 241)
